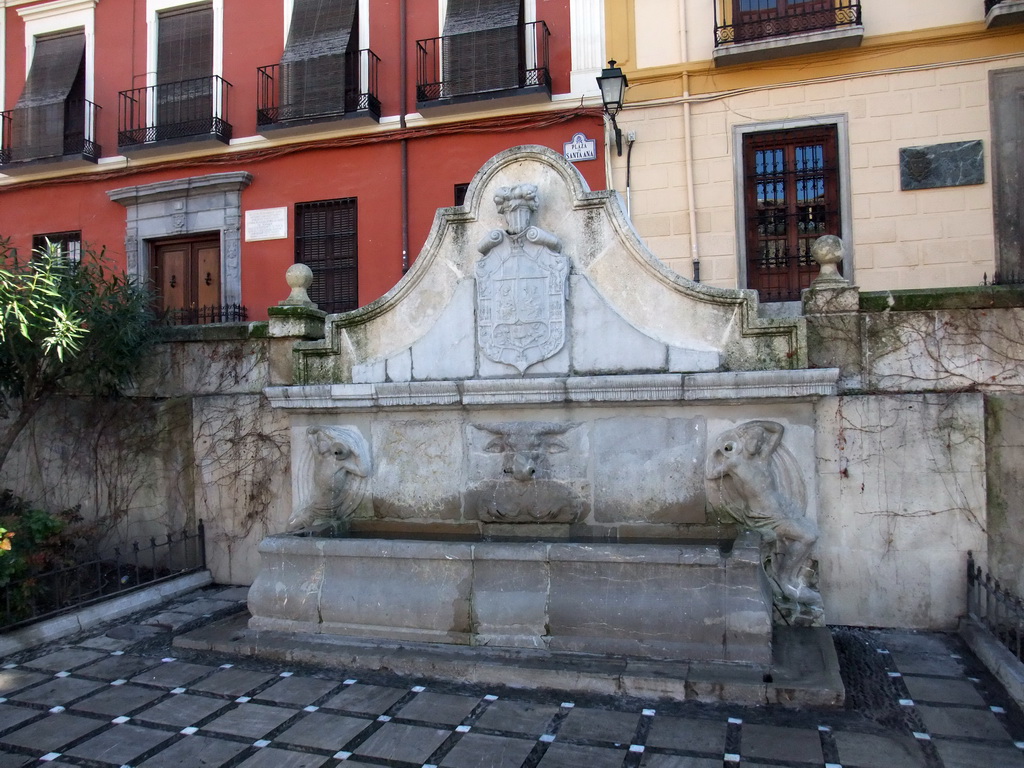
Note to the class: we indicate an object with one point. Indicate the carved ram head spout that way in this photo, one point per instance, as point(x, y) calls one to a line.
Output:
point(525, 447)
point(528, 488)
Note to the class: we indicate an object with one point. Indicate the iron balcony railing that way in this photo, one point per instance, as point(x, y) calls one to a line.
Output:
point(318, 89)
point(742, 21)
point(230, 313)
point(998, 609)
point(43, 594)
point(5, 137)
point(483, 64)
point(79, 135)
point(181, 110)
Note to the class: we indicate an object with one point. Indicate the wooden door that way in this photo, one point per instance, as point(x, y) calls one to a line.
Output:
point(187, 280)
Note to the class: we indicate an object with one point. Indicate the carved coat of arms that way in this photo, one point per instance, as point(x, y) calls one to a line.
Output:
point(521, 285)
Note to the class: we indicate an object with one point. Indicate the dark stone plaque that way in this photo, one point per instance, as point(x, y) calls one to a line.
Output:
point(956, 164)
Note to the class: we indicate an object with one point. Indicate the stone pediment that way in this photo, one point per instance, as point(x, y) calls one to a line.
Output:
point(537, 277)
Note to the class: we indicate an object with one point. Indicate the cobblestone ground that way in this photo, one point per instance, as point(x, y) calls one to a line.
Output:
point(123, 696)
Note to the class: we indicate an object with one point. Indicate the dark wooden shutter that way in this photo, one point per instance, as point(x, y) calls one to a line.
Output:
point(484, 46)
point(319, 74)
point(326, 241)
point(55, 81)
point(184, 70)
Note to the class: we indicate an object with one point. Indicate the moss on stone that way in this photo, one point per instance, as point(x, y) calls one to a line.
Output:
point(970, 297)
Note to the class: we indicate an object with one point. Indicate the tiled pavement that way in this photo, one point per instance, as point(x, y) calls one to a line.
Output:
point(122, 697)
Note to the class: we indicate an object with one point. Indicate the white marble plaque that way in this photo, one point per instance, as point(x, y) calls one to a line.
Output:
point(266, 224)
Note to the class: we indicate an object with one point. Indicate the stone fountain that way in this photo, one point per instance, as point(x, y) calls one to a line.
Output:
point(544, 439)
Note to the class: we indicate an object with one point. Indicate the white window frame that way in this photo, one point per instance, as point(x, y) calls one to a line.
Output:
point(153, 8)
point(58, 16)
point(841, 123)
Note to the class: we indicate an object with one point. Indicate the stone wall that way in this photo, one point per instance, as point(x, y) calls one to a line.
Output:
point(907, 481)
point(196, 440)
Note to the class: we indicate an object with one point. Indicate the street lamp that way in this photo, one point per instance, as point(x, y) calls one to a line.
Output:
point(613, 86)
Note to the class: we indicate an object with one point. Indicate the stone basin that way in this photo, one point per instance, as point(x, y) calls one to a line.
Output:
point(670, 600)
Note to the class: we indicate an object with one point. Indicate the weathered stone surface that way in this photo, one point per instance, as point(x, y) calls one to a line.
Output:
point(645, 469)
point(902, 497)
point(646, 600)
point(417, 460)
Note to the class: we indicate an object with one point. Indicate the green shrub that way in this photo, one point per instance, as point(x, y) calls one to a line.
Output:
point(39, 542)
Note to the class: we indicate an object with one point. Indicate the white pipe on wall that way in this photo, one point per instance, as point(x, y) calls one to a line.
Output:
point(688, 142)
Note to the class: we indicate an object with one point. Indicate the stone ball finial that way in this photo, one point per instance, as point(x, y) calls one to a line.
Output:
point(299, 277)
point(828, 251)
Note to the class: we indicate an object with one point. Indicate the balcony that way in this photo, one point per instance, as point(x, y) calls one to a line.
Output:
point(299, 97)
point(757, 30)
point(61, 134)
point(1002, 13)
point(193, 112)
point(507, 63)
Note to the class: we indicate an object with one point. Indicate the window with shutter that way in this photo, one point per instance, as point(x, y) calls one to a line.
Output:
point(319, 70)
point(791, 198)
point(484, 46)
point(184, 71)
point(326, 241)
point(51, 110)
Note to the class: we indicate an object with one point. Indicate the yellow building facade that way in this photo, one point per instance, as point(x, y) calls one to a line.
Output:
point(751, 127)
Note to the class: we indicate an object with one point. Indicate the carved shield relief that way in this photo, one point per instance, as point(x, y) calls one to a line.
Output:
point(521, 292)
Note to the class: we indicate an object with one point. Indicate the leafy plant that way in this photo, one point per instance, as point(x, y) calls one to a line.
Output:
point(65, 327)
point(37, 542)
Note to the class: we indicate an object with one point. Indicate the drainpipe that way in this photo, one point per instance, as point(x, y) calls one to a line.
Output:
point(404, 85)
point(688, 144)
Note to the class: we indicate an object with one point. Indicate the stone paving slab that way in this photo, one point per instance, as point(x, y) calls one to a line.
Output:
point(174, 707)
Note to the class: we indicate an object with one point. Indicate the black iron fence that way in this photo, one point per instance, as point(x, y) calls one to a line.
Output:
point(229, 313)
point(185, 109)
point(41, 595)
point(998, 609)
point(1004, 277)
point(317, 89)
point(741, 21)
point(483, 63)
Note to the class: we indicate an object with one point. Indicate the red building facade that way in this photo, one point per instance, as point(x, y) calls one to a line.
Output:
point(207, 145)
